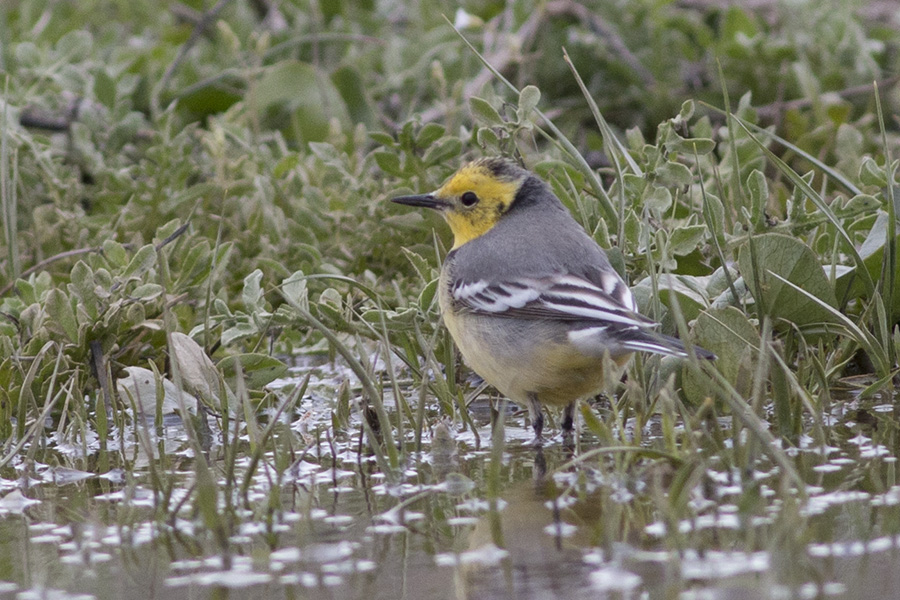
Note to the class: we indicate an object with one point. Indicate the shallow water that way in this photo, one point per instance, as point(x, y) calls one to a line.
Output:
point(320, 521)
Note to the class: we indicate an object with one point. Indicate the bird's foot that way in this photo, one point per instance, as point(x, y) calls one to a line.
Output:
point(568, 420)
point(537, 420)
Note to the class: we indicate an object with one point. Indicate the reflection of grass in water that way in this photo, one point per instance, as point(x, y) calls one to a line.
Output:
point(606, 510)
point(690, 492)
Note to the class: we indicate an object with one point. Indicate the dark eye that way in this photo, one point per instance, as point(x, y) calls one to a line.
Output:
point(469, 199)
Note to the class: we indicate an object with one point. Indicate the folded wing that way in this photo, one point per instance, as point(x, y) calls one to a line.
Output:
point(603, 316)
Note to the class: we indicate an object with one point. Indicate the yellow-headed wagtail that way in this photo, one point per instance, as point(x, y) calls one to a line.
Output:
point(529, 298)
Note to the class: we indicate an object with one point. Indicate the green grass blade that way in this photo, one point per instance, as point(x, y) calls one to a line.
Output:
point(830, 172)
point(820, 203)
point(387, 457)
point(866, 340)
point(889, 265)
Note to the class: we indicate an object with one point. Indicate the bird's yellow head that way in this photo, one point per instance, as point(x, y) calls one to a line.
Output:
point(474, 198)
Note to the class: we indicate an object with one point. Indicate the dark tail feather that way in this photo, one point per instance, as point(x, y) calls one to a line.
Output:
point(664, 344)
point(679, 346)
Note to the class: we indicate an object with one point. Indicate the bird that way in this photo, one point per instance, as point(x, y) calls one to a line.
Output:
point(529, 298)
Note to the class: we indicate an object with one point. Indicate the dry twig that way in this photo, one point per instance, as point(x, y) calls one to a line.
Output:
point(774, 111)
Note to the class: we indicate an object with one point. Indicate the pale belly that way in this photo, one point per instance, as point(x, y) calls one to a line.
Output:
point(544, 363)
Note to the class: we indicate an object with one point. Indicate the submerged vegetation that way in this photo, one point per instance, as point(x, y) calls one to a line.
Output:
point(195, 221)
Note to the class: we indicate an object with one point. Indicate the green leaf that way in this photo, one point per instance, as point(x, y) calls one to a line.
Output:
point(310, 98)
point(734, 340)
point(61, 313)
point(848, 284)
point(420, 264)
point(674, 174)
point(27, 55)
point(859, 204)
point(75, 45)
point(444, 150)
point(147, 291)
point(482, 110)
point(634, 185)
point(403, 317)
point(388, 162)
point(487, 138)
point(83, 287)
point(659, 199)
point(288, 163)
point(406, 136)
point(759, 196)
point(325, 151)
point(427, 295)
point(686, 112)
point(258, 369)
point(683, 289)
point(383, 139)
point(684, 240)
point(594, 424)
point(252, 295)
point(714, 216)
point(26, 292)
point(115, 253)
point(196, 265)
point(198, 373)
point(208, 99)
point(239, 331)
point(871, 174)
point(791, 259)
point(105, 88)
point(635, 138)
point(738, 21)
point(528, 101)
point(632, 228)
point(295, 289)
point(141, 262)
point(429, 134)
point(351, 86)
point(691, 146)
point(134, 316)
point(331, 305)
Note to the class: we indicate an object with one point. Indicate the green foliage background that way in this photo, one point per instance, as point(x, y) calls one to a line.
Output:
point(223, 171)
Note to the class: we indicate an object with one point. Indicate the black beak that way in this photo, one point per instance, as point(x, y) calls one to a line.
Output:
point(424, 200)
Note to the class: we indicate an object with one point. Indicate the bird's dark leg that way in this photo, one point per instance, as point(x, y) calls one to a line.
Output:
point(568, 420)
point(537, 418)
point(568, 427)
